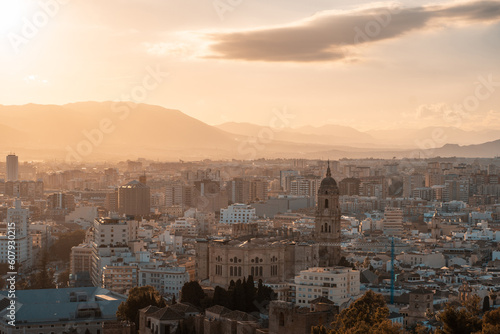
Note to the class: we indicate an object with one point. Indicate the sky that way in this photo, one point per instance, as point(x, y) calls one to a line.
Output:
point(369, 65)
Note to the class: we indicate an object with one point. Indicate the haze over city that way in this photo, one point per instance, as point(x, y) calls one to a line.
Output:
point(361, 64)
point(256, 167)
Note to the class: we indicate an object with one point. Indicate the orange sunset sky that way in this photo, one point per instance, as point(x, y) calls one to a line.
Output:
point(369, 65)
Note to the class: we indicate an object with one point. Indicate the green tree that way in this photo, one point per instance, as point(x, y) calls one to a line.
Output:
point(344, 263)
point(220, 297)
point(369, 309)
point(264, 292)
point(420, 329)
point(63, 279)
point(319, 330)
point(491, 322)
point(464, 320)
point(43, 278)
point(250, 294)
point(368, 314)
point(192, 293)
point(61, 248)
point(239, 296)
point(139, 298)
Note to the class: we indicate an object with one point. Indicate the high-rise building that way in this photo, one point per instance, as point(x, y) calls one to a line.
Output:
point(258, 189)
point(134, 199)
point(373, 186)
point(458, 188)
point(285, 178)
point(349, 186)
point(174, 193)
point(208, 196)
point(12, 167)
point(111, 202)
point(412, 182)
point(434, 174)
point(111, 236)
point(393, 221)
point(304, 186)
point(239, 190)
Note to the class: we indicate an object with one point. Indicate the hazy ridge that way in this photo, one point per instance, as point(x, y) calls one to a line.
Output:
point(140, 130)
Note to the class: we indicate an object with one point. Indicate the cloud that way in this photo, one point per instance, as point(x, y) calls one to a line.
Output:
point(330, 36)
point(169, 49)
point(35, 79)
point(453, 116)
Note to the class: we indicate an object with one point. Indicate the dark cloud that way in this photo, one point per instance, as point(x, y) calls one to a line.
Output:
point(328, 36)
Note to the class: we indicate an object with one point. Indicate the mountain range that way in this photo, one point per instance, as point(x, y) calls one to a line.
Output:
point(112, 131)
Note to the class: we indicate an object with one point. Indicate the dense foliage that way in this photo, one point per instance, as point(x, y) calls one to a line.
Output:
point(61, 248)
point(241, 295)
point(369, 314)
point(139, 298)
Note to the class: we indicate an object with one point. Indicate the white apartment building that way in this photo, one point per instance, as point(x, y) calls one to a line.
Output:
point(17, 219)
point(114, 231)
point(338, 284)
point(237, 213)
point(185, 226)
point(111, 237)
point(167, 280)
point(119, 277)
point(172, 242)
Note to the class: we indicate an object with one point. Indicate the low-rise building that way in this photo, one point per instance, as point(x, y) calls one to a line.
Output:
point(338, 284)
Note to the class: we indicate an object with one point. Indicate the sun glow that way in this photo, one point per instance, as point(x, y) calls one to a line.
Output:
point(10, 14)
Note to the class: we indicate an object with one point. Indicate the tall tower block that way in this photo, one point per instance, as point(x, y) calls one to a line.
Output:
point(12, 163)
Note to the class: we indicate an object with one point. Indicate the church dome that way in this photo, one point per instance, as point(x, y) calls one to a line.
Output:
point(328, 184)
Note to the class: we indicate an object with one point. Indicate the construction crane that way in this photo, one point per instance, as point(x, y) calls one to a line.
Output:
point(392, 271)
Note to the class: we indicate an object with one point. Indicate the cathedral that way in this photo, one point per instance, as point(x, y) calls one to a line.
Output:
point(276, 260)
point(327, 232)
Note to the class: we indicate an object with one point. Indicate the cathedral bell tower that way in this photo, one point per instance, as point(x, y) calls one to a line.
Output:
point(327, 230)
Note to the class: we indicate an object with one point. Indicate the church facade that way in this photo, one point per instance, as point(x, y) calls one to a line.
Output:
point(274, 260)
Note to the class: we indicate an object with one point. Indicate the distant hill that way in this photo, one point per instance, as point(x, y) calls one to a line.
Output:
point(334, 135)
point(487, 150)
point(110, 131)
point(135, 129)
point(441, 135)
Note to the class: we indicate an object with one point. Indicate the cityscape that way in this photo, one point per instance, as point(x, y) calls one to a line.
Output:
point(237, 167)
